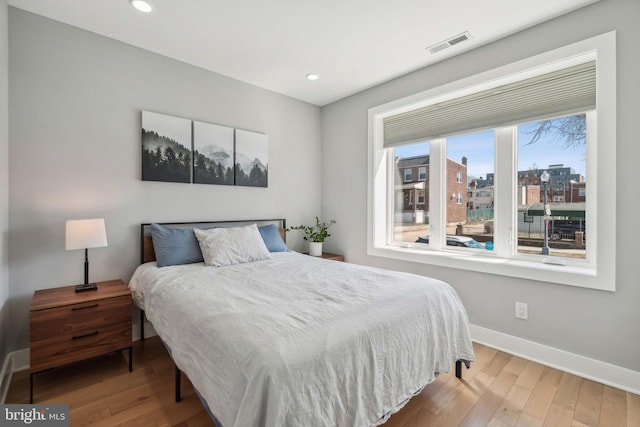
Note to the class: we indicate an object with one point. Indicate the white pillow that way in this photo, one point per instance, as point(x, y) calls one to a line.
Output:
point(228, 246)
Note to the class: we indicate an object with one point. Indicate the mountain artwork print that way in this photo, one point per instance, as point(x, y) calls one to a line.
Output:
point(166, 148)
point(252, 159)
point(212, 154)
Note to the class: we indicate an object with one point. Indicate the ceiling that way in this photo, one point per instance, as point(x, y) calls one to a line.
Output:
point(351, 45)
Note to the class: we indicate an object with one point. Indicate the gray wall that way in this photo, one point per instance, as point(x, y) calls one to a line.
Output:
point(4, 179)
point(75, 152)
point(600, 325)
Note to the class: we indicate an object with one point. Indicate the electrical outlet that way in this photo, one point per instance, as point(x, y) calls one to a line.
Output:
point(522, 310)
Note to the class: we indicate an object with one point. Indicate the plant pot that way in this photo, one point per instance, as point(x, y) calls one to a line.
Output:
point(315, 248)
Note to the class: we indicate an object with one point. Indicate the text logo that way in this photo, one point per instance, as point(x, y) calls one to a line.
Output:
point(34, 415)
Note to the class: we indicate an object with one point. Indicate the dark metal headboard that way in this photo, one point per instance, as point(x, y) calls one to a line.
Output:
point(146, 245)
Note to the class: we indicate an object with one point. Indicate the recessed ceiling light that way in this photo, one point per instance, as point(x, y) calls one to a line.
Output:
point(142, 5)
point(312, 76)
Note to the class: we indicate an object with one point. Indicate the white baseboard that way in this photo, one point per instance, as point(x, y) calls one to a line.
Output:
point(20, 360)
point(5, 378)
point(602, 372)
point(14, 362)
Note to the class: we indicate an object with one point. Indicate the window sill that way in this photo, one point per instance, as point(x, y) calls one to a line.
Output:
point(572, 275)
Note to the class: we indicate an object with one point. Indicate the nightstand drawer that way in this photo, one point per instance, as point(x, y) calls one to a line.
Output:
point(76, 318)
point(68, 348)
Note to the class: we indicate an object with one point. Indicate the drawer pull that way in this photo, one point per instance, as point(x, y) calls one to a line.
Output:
point(85, 307)
point(77, 337)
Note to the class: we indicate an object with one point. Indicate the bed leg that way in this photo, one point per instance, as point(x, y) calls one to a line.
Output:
point(141, 325)
point(178, 392)
point(458, 369)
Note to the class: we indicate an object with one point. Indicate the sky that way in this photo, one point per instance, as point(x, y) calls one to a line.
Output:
point(478, 148)
point(252, 145)
point(172, 127)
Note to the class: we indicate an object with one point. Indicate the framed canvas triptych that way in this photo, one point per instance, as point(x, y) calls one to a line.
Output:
point(181, 150)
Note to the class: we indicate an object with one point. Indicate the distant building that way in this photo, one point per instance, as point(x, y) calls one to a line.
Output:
point(528, 194)
point(479, 198)
point(577, 192)
point(412, 189)
point(482, 183)
point(564, 185)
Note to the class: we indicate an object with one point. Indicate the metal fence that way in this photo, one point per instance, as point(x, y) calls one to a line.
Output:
point(477, 215)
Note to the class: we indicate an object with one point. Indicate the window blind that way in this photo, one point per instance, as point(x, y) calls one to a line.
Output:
point(566, 91)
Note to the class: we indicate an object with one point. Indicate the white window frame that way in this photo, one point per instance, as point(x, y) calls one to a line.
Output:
point(458, 177)
point(598, 270)
point(410, 175)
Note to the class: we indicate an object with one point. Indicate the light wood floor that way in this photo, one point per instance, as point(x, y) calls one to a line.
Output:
point(499, 390)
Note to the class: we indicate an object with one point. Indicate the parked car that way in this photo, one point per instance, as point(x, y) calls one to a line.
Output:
point(453, 240)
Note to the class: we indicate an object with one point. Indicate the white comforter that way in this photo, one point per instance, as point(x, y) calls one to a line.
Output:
point(301, 341)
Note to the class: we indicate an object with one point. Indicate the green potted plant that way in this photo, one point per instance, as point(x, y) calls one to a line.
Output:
point(315, 235)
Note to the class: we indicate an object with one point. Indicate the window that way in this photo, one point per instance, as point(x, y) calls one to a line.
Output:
point(407, 175)
point(541, 150)
point(411, 221)
point(469, 157)
point(422, 174)
point(489, 175)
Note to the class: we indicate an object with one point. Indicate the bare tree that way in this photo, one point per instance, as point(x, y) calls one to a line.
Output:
point(570, 130)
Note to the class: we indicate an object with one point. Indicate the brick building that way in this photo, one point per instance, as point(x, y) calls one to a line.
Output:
point(412, 189)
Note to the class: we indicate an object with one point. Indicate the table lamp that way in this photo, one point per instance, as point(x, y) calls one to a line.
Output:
point(85, 234)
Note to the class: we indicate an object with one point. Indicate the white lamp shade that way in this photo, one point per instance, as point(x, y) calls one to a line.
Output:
point(85, 233)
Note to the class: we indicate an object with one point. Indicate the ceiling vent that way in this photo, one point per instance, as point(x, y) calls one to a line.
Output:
point(448, 43)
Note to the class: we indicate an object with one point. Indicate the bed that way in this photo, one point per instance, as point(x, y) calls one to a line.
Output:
point(295, 340)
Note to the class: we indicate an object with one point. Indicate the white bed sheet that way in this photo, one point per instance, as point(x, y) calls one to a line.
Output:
point(300, 341)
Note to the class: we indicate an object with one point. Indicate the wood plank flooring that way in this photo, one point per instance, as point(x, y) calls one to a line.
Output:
point(499, 390)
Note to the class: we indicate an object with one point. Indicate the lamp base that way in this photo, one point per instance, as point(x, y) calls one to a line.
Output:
point(87, 287)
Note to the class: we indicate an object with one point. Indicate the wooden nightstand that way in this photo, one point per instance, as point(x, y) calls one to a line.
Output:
point(67, 327)
point(333, 257)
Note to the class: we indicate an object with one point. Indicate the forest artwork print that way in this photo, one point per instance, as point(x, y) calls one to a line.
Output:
point(166, 148)
point(182, 150)
point(212, 154)
point(252, 159)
